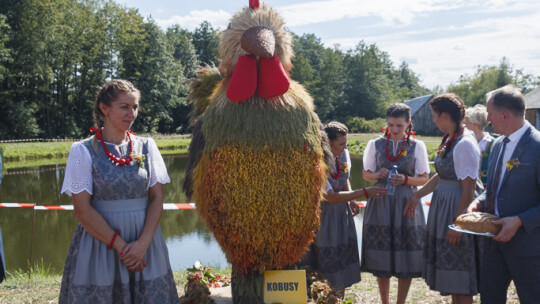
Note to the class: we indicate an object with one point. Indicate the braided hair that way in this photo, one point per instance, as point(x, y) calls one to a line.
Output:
point(107, 94)
point(455, 107)
point(334, 129)
point(400, 110)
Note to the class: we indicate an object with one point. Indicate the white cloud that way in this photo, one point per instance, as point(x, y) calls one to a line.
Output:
point(218, 19)
point(395, 13)
point(443, 59)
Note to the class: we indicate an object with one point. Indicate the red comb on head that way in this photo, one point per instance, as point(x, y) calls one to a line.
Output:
point(254, 4)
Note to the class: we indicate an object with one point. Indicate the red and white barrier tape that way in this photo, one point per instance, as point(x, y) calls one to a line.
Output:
point(17, 205)
point(168, 206)
point(37, 139)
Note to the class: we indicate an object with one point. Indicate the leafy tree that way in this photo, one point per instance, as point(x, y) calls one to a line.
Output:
point(5, 52)
point(154, 71)
point(183, 50)
point(330, 84)
point(368, 77)
point(472, 89)
point(302, 71)
point(407, 84)
point(206, 41)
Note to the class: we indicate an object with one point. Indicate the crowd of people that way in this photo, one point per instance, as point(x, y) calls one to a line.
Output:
point(475, 172)
point(118, 253)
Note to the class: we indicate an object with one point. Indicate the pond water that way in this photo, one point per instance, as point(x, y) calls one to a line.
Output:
point(186, 236)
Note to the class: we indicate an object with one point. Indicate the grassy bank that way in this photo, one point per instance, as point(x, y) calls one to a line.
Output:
point(34, 154)
point(44, 287)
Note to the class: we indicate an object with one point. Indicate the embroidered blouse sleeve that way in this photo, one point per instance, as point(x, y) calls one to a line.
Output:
point(370, 163)
point(466, 159)
point(78, 173)
point(420, 154)
point(158, 173)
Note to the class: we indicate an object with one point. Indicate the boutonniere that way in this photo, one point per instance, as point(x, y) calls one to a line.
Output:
point(345, 167)
point(510, 164)
point(404, 153)
point(138, 158)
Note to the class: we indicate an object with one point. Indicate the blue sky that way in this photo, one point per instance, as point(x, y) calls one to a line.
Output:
point(439, 39)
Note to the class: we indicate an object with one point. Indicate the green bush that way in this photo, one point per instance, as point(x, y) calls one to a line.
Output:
point(362, 125)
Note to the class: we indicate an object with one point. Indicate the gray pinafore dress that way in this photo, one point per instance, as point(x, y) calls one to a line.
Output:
point(334, 251)
point(95, 274)
point(392, 244)
point(449, 269)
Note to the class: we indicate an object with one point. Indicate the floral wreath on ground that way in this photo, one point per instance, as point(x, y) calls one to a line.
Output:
point(199, 280)
point(204, 275)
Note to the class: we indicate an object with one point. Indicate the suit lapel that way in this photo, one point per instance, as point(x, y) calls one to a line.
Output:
point(520, 148)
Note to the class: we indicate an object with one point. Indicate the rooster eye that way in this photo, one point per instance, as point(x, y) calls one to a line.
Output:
point(229, 26)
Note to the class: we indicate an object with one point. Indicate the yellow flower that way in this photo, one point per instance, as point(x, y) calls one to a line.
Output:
point(345, 167)
point(138, 158)
point(510, 164)
point(404, 153)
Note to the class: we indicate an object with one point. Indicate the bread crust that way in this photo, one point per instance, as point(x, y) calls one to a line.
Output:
point(478, 222)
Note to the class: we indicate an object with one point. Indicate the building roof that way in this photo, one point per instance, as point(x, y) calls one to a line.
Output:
point(416, 103)
point(532, 99)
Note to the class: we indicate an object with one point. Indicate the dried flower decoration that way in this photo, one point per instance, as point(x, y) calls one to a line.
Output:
point(510, 164)
point(138, 158)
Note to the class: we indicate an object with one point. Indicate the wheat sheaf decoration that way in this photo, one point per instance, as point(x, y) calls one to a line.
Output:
point(258, 164)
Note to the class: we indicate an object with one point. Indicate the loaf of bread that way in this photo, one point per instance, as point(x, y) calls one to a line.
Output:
point(478, 222)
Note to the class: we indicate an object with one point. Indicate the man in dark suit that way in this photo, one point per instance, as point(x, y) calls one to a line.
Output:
point(513, 193)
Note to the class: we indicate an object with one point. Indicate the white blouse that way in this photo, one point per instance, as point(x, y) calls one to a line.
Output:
point(348, 164)
point(421, 165)
point(467, 157)
point(484, 141)
point(78, 173)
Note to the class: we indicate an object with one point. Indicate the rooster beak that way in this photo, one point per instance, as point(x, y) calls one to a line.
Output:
point(259, 41)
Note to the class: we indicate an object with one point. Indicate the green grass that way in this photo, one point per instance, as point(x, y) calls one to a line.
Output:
point(357, 143)
point(34, 154)
point(44, 285)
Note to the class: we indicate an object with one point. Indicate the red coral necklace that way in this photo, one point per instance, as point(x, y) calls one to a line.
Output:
point(338, 169)
point(395, 158)
point(114, 159)
point(443, 148)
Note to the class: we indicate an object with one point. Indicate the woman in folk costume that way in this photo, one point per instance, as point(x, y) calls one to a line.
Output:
point(334, 251)
point(391, 242)
point(115, 179)
point(476, 121)
point(451, 258)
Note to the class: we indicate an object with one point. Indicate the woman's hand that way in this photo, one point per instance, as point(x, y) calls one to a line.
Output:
point(410, 208)
point(453, 237)
point(355, 209)
point(376, 192)
point(397, 179)
point(133, 255)
point(383, 173)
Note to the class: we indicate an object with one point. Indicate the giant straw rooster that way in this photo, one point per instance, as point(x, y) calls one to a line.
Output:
point(258, 161)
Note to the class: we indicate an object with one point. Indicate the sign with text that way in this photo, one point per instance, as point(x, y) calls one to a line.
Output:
point(285, 287)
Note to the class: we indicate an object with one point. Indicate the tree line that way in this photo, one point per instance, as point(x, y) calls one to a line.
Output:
point(54, 54)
